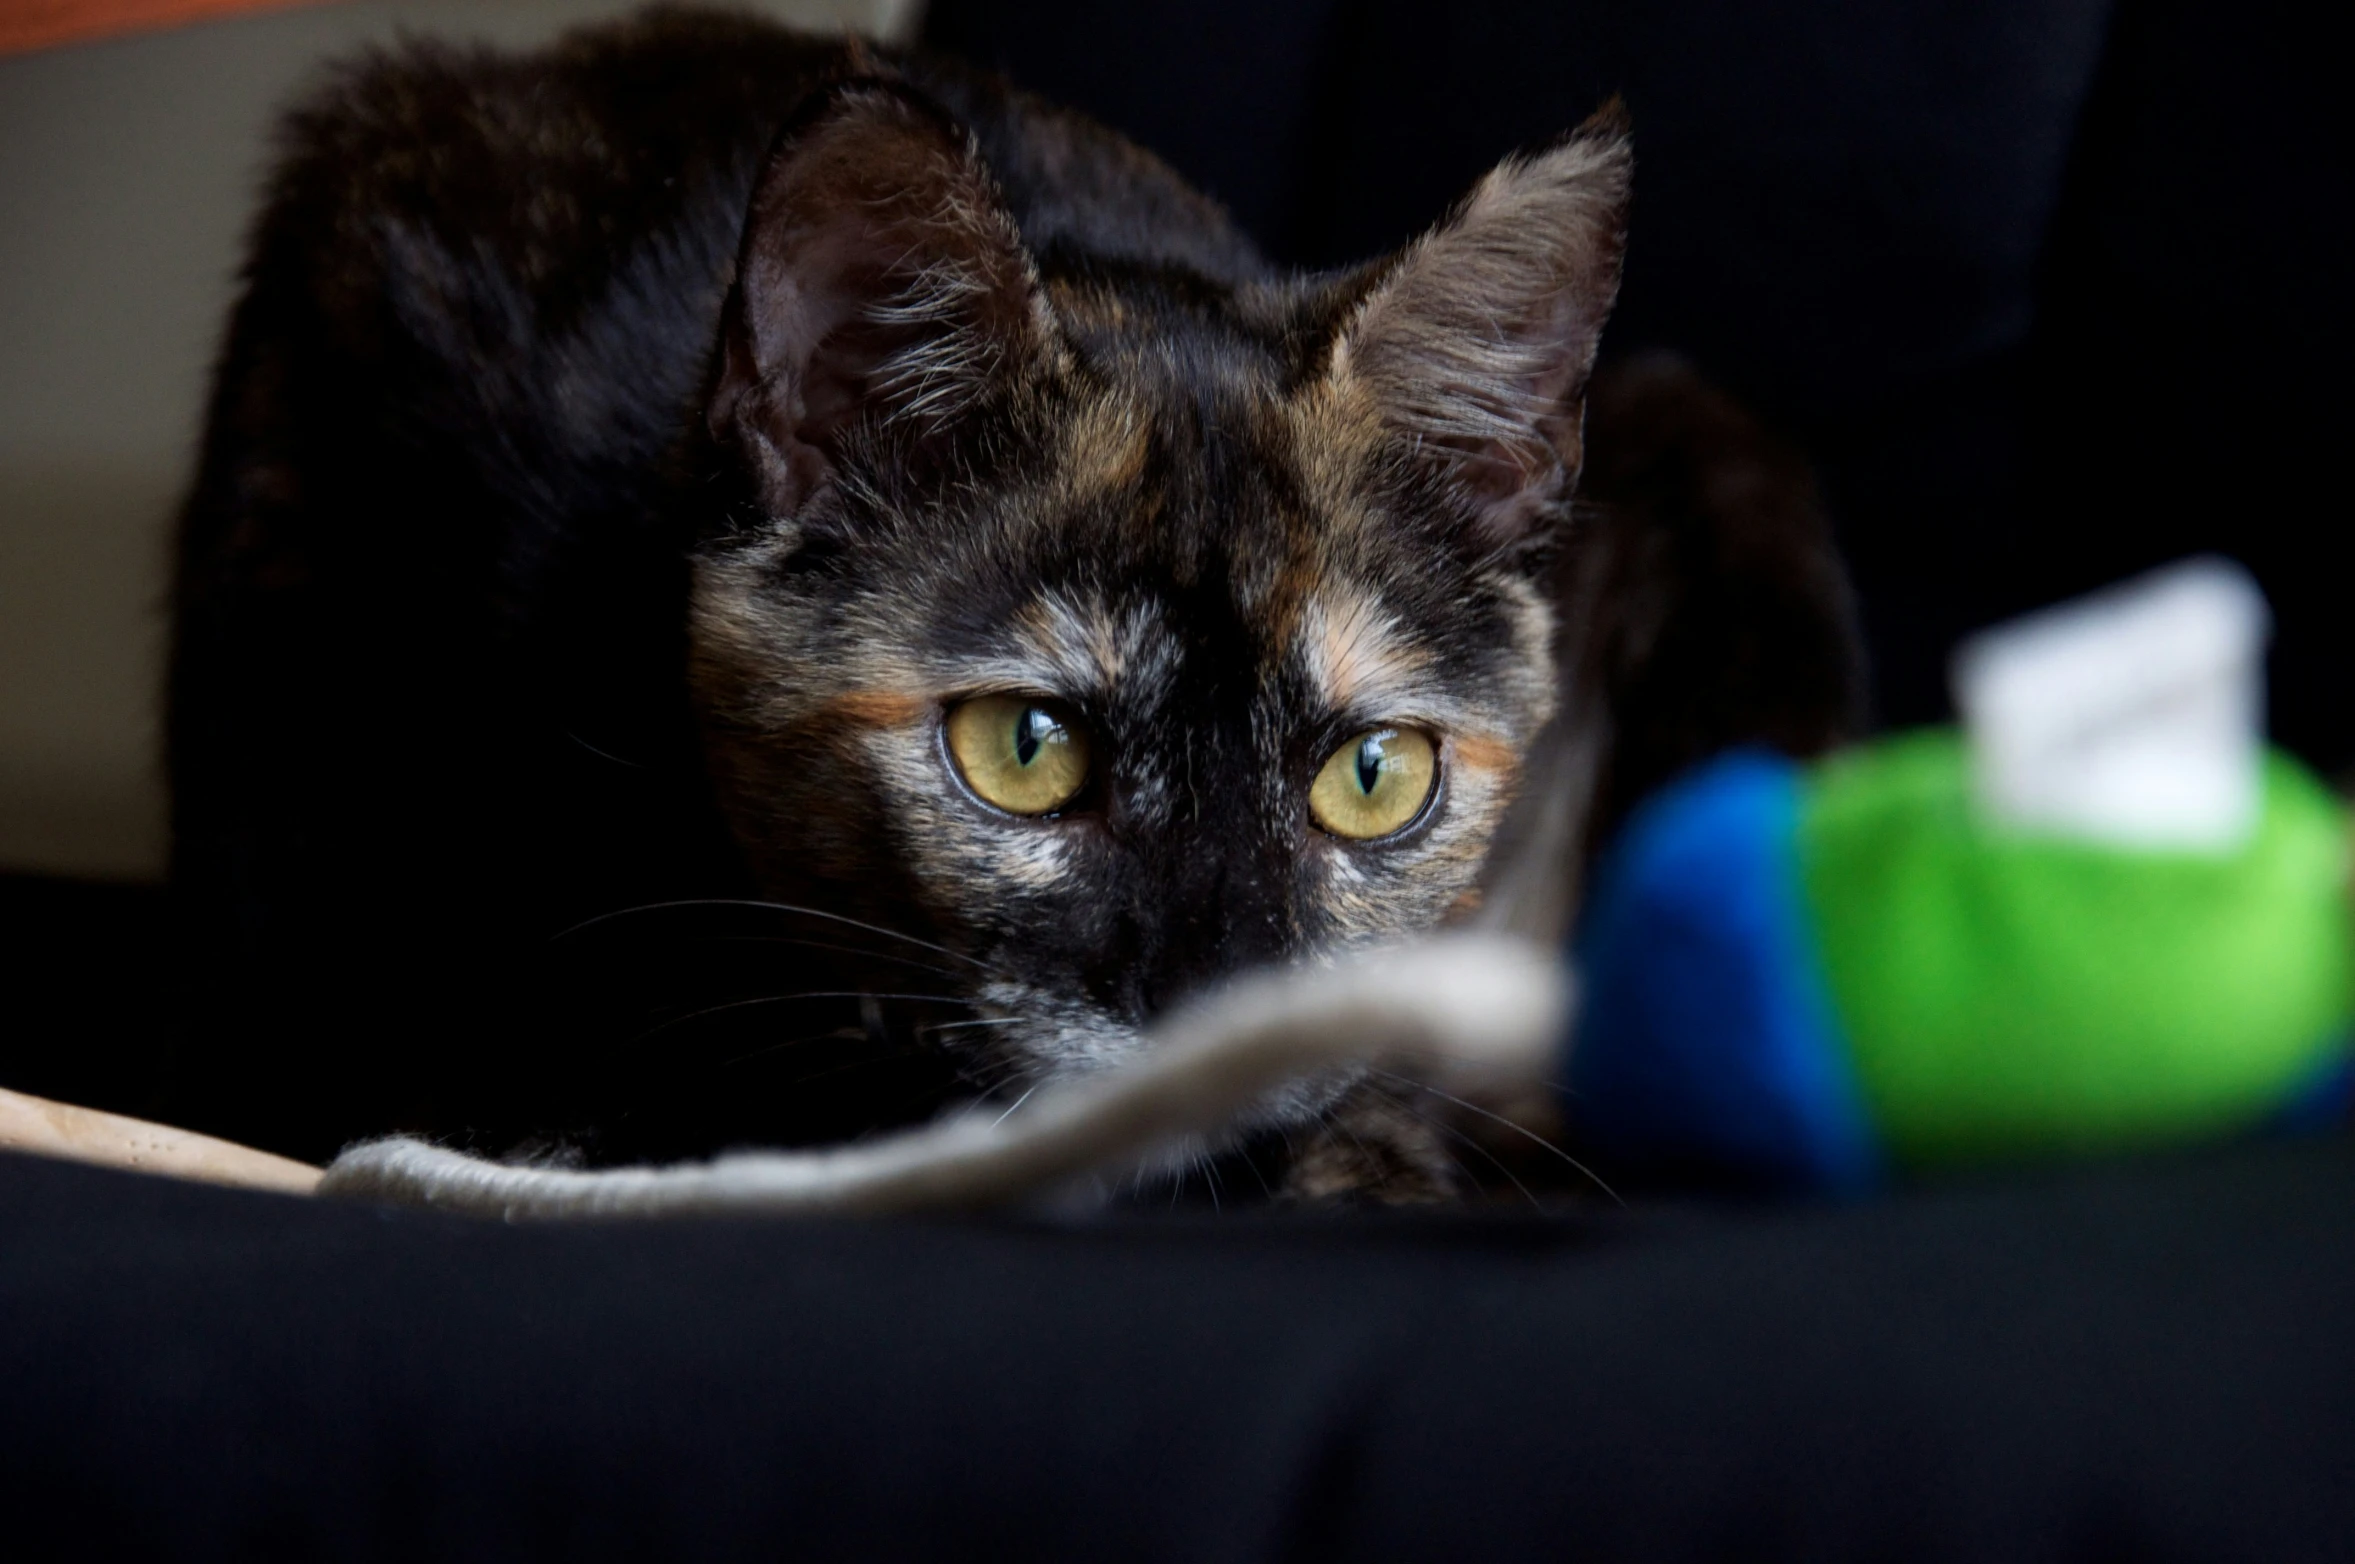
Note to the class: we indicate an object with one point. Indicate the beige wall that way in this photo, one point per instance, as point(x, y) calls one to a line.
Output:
point(127, 170)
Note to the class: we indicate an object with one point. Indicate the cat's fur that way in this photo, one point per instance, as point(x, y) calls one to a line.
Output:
point(622, 457)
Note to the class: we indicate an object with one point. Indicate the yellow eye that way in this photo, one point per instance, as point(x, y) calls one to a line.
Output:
point(1374, 784)
point(1017, 754)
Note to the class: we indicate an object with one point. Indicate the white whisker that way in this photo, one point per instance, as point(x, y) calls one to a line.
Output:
point(1010, 1107)
point(1522, 1130)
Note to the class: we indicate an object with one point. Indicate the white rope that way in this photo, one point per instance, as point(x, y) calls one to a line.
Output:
point(1467, 1011)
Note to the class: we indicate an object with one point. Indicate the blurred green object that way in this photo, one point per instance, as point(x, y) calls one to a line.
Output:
point(2005, 992)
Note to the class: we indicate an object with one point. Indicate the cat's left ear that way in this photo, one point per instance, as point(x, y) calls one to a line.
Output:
point(1476, 343)
point(881, 284)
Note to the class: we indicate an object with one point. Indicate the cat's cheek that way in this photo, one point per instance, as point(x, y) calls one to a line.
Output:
point(1372, 891)
point(1459, 853)
point(1483, 772)
point(913, 809)
point(1056, 1037)
point(1531, 626)
point(1033, 859)
point(970, 860)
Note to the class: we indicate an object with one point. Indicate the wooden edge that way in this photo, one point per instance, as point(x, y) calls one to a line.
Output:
point(56, 1129)
point(44, 24)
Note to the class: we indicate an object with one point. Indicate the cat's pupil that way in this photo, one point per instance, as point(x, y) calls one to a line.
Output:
point(1369, 763)
point(1032, 729)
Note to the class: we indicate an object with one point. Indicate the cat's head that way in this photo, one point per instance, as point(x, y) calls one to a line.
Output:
point(1116, 627)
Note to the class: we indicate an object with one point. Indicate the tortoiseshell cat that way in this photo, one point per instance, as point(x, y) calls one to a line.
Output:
point(705, 464)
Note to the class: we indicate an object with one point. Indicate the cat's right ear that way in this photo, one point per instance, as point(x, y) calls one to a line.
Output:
point(881, 281)
point(1476, 341)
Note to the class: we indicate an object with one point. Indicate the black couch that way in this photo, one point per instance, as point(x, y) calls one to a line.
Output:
point(2144, 1364)
point(2049, 290)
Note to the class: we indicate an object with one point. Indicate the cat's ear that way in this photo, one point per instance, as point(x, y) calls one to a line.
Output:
point(1476, 342)
point(881, 278)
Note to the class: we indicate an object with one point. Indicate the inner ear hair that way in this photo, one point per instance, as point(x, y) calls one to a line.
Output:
point(881, 281)
point(1476, 342)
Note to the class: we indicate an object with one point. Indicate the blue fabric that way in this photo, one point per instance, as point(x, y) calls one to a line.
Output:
point(1706, 1034)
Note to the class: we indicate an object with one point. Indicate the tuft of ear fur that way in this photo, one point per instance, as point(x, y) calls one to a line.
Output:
point(881, 281)
point(1477, 341)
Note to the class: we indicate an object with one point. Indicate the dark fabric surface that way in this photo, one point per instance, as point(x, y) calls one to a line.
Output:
point(2050, 290)
point(2150, 1363)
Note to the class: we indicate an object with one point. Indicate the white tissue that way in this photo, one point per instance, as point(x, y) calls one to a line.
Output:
point(2133, 716)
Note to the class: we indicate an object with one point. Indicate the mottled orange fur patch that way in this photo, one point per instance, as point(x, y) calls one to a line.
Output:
point(1481, 752)
point(880, 708)
point(1109, 443)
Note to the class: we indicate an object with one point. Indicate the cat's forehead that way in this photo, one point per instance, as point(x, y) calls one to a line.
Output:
point(1339, 649)
point(1169, 554)
point(1195, 523)
point(1170, 325)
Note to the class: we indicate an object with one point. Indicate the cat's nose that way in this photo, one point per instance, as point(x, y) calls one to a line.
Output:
point(1210, 925)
